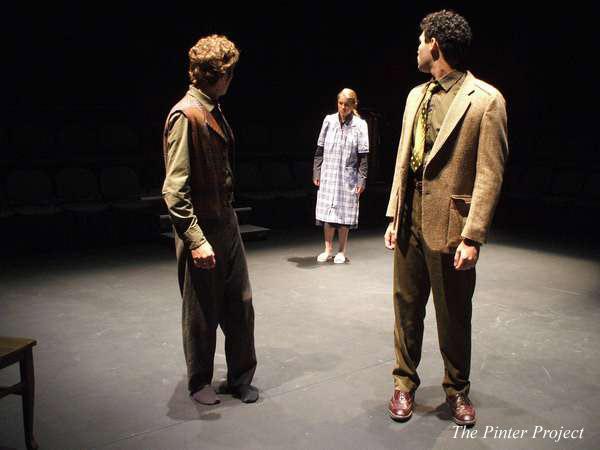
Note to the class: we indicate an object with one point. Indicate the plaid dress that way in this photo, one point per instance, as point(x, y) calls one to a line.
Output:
point(337, 201)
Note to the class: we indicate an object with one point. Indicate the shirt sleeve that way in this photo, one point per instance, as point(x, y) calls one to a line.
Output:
point(176, 189)
point(318, 162)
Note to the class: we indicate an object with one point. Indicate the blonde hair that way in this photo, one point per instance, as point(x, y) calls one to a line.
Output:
point(350, 95)
point(211, 58)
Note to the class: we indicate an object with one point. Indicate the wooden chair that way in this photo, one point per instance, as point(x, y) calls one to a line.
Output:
point(13, 350)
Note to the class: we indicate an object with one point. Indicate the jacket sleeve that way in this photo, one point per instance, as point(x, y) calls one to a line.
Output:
point(176, 188)
point(393, 202)
point(492, 153)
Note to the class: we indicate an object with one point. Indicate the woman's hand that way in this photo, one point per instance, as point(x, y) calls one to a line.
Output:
point(316, 182)
point(359, 190)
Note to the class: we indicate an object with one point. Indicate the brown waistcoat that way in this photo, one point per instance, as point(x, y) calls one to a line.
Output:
point(208, 153)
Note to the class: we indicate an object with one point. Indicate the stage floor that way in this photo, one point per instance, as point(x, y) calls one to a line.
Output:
point(110, 372)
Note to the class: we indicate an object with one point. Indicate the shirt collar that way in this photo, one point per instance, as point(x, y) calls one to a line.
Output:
point(348, 119)
point(450, 79)
point(208, 103)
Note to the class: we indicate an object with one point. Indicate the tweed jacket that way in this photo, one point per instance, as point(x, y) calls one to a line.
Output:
point(462, 174)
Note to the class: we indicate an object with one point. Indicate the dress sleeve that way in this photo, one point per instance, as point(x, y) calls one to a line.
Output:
point(363, 137)
point(323, 133)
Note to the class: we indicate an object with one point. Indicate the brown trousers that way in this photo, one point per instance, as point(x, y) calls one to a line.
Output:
point(221, 296)
point(417, 272)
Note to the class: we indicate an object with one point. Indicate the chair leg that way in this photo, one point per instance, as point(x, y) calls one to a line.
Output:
point(28, 381)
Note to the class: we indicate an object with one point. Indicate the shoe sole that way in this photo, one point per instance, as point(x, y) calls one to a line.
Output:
point(214, 401)
point(206, 403)
point(464, 423)
point(398, 418)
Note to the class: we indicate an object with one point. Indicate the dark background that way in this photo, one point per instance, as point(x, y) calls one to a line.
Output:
point(94, 83)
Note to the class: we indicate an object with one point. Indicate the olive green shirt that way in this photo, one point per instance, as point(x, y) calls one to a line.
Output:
point(176, 188)
point(441, 99)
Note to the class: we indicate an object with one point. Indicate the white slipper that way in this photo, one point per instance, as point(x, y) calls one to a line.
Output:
point(340, 258)
point(323, 257)
point(206, 396)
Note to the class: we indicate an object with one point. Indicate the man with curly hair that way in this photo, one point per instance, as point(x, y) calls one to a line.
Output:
point(198, 191)
point(447, 181)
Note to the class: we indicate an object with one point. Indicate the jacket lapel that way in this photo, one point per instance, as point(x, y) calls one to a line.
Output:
point(214, 125)
point(455, 113)
point(228, 130)
point(411, 113)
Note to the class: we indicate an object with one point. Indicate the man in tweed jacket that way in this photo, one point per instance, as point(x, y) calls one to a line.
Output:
point(447, 181)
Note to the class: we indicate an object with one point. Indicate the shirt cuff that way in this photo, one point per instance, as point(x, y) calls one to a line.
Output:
point(195, 238)
point(471, 242)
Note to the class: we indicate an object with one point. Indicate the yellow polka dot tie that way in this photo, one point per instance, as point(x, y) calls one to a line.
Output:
point(419, 148)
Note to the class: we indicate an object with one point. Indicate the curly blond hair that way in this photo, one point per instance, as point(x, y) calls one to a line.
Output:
point(211, 58)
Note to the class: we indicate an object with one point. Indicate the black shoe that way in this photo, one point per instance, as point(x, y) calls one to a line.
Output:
point(245, 392)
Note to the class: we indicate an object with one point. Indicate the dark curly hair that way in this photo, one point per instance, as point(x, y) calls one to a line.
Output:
point(453, 34)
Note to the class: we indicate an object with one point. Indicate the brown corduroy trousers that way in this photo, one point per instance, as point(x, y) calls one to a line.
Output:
point(417, 272)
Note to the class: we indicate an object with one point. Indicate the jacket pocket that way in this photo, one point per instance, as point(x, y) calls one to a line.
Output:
point(458, 213)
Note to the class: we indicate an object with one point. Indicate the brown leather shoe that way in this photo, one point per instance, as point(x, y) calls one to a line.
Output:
point(463, 411)
point(401, 405)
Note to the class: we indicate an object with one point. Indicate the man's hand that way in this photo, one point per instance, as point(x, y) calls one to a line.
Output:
point(316, 182)
point(359, 190)
point(204, 257)
point(390, 237)
point(466, 256)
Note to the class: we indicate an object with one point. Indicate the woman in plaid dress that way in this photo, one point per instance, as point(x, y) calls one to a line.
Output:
point(340, 172)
